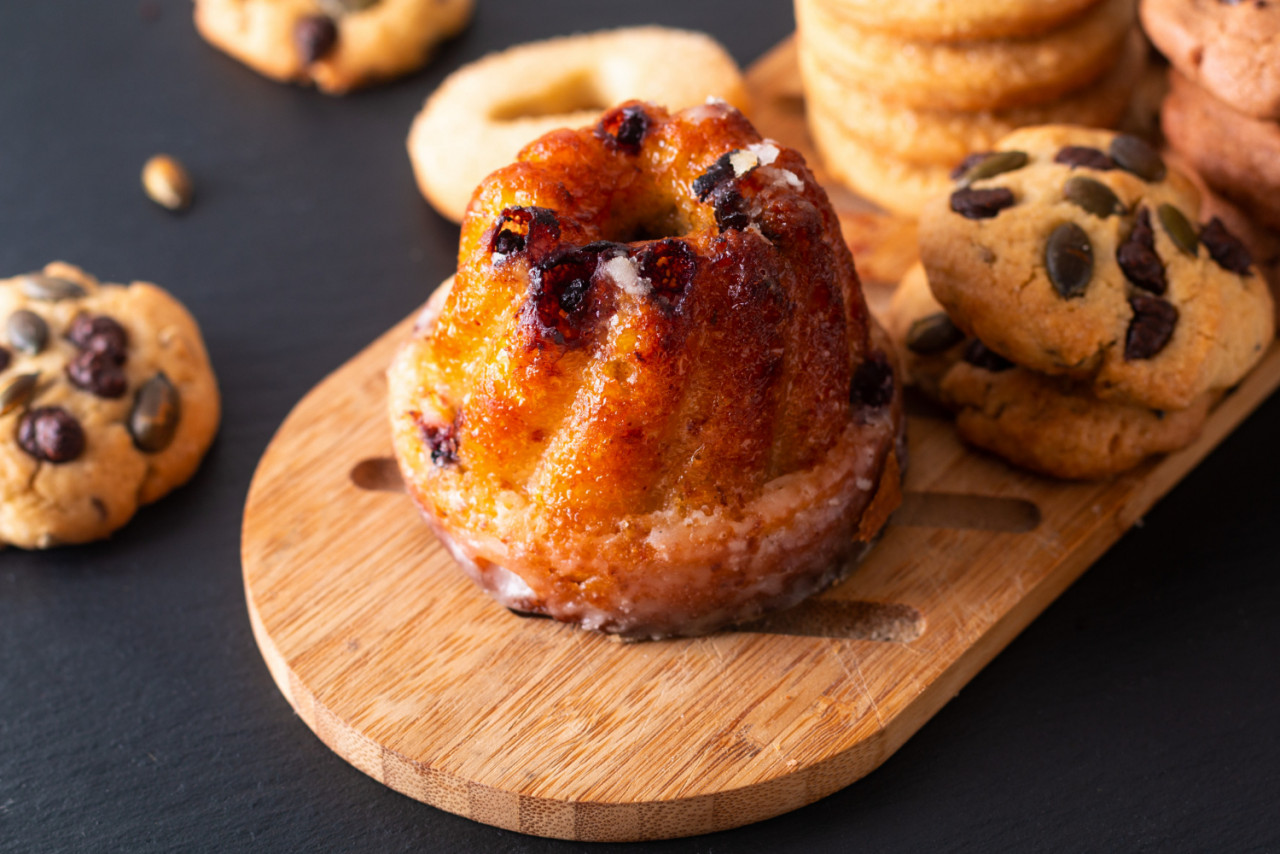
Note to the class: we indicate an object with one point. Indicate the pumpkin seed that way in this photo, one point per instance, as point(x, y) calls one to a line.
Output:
point(1133, 155)
point(27, 331)
point(1093, 196)
point(1068, 259)
point(1180, 231)
point(167, 182)
point(996, 163)
point(18, 393)
point(50, 288)
point(156, 410)
point(933, 334)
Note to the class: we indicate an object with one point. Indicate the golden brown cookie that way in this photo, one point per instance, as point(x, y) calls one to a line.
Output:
point(108, 402)
point(338, 45)
point(1076, 252)
point(1232, 49)
point(948, 21)
point(1238, 155)
point(988, 75)
point(932, 137)
point(1051, 425)
point(485, 112)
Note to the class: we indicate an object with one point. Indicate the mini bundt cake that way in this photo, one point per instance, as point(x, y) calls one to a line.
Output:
point(652, 401)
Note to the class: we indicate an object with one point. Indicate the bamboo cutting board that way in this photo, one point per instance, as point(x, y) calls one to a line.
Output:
point(410, 673)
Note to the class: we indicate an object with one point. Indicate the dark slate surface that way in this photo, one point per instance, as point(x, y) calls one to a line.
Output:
point(135, 713)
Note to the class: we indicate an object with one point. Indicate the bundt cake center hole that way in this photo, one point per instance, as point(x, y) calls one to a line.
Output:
point(569, 94)
point(654, 223)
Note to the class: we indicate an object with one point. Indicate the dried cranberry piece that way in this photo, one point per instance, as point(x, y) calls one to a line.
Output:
point(51, 434)
point(1082, 155)
point(1137, 256)
point(1225, 248)
point(981, 356)
point(100, 334)
point(732, 212)
point(972, 203)
point(718, 173)
point(968, 163)
point(442, 439)
point(315, 36)
point(623, 128)
point(669, 265)
point(5, 358)
point(558, 289)
point(520, 229)
point(872, 383)
point(1151, 327)
point(98, 373)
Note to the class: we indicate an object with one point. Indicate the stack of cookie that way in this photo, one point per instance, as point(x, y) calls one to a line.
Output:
point(1069, 308)
point(898, 93)
point(1222, 112)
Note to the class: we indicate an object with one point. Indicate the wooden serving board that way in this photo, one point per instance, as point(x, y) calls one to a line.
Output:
point(410, 673)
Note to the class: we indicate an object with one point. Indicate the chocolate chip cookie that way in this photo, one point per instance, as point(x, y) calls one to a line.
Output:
point(1076, 253)
point(107, 402)
point(1051, 425)
point(1229, 47)
point(338, 45)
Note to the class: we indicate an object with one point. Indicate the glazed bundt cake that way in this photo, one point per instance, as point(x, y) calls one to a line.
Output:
point(652, 401)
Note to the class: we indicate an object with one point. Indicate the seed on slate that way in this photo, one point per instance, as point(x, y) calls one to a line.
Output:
point(623, 129)
point(1151, 327)
point(1093, 196)
point(1068, 259)
point(100, 334)
point(18, 392)
point(981, 204)
point(314, 36)
point(50, 288)
point(5, 358)
point(1082, 155)
point(97, 373)
point(1133, 155)
point(872, 383)
point(1225, 248)
point(51, 434)
point(981, 356)
point(1180, 231)
point(167, 182)
point(1137, 256)
point(933, 334)
point(156, 410)
point(996, 163)
point(28, 332)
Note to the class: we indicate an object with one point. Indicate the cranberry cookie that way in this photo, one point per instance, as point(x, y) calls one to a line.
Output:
point(1076, 252)
point(1051, 425)
point(1229, 47)
point(107, 402)
point(338, 45)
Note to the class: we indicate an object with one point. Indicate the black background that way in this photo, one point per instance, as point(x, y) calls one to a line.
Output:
point(1139, 712)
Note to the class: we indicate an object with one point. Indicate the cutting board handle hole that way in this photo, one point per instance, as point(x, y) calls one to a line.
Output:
point(967, 511)
point(377, 474)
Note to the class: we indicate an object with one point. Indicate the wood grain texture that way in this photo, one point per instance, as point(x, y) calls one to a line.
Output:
point(410, 673)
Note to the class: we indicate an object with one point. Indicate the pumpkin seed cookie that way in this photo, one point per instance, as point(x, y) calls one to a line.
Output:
point(930, 137)
point(1051, 425)
point(1075, 252)
point(107, 402)
point(988, 75)
point(1231, 48)
point(947, 20)
point(338, 45)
